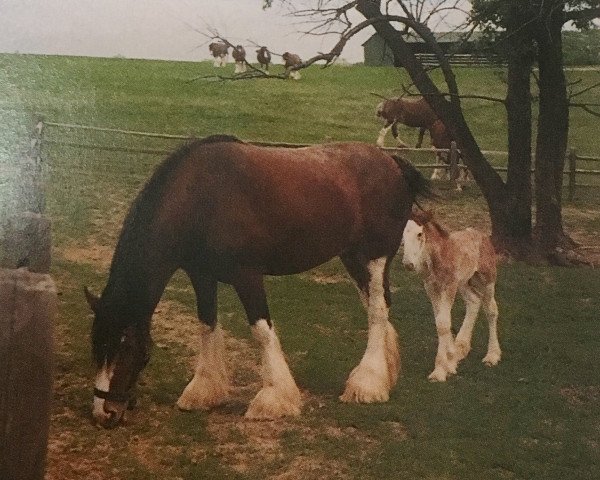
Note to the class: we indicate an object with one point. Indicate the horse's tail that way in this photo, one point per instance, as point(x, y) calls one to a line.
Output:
point(418, 185)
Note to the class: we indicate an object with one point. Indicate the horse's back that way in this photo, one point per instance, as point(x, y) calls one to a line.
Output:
point(474, 254)
point(285, 209)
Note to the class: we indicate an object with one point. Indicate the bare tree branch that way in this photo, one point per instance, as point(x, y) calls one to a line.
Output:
point(586, 108)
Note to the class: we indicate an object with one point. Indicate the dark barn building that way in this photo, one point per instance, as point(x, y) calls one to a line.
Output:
point(378, 53)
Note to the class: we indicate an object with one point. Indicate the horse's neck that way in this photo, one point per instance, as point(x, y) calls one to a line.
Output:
point(138, 288)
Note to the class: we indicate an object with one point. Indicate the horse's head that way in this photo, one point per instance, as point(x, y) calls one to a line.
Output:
point(421, 230)
point(121, 350)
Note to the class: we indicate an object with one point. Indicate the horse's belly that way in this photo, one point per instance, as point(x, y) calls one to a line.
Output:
point(302, 253)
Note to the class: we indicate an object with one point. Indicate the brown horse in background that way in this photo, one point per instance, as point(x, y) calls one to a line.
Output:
point(239, 56)
point(219, 51)
point(412, 113)
point(291, 60)
point(264, 57)
point(227, 211)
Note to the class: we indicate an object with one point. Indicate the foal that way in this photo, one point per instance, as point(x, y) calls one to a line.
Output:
point(463, 261)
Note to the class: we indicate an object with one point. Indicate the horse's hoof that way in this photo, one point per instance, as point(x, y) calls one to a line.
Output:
point(271, 403)
point(492, 359)
point(438, 375)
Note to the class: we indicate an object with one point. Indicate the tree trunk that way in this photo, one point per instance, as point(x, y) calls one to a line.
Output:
point(553, 128)
point(518, 110)
point(450, 113)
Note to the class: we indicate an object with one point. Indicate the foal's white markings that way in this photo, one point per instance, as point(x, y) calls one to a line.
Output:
point(375, 375)
point(279, 395)
point(102, 383)
point(210, 386)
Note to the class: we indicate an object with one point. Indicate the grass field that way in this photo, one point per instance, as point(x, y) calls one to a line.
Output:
point(534, 416)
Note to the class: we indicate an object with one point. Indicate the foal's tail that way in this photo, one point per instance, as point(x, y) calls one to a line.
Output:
point(418, 185)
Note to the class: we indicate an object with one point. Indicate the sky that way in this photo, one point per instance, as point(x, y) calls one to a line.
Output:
point(154, 29)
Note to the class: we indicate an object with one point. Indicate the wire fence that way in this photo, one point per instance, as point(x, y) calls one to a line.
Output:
point(572, 172)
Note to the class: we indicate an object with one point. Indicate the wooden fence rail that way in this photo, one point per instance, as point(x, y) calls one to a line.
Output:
point(571, 170)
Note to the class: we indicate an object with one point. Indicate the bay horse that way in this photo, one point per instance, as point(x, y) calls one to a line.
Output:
point(264, 57)
point(290, 61)
point(239, 55)
point(412, 113)
point(227, 211)
point(461, 262)
point(219, 51)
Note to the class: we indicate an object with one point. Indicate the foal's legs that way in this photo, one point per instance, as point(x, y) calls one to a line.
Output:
point(279, 395)
point(442, 300)
point(472, 300)
point(210, 385)
point(491, 311)
point(377, 372)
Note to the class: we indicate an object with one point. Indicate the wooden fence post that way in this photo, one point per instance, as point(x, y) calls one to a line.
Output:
point(26, 239)
point(572, 173)
point(454, 168)
point(27, 308)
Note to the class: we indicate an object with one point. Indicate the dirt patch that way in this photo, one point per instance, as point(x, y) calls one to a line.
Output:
point(581, 396)
point(90, 253)
point(314, 468)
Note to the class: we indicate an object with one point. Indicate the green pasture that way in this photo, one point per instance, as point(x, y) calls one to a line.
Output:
point(534, 416)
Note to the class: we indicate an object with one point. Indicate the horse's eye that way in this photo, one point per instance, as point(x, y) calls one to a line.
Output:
point(420, 235)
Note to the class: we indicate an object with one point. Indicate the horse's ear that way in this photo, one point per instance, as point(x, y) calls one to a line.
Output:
point(91, 299)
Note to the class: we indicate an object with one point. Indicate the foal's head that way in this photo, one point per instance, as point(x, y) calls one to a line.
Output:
point(420, 229)
point(121, 350)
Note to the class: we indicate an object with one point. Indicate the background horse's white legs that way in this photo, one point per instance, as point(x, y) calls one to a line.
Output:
point(491, 310)
point(382, 133)
point(210, 385)
point(377, 372)
point(279, 395)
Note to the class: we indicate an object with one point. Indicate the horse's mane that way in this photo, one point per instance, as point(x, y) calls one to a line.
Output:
point(128, 260)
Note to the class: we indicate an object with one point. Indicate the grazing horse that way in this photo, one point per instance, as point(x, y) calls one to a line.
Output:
point(264, 57)
point(227, 211)
point(291, 60)
point(219, 51)
point(239, 55)
point(449, 262)
point(413, 113)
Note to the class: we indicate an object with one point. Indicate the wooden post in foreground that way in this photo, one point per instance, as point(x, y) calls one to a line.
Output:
point(27, 307)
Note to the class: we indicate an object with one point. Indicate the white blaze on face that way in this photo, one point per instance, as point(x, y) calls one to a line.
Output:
point(414, 241)
point(103, 377)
